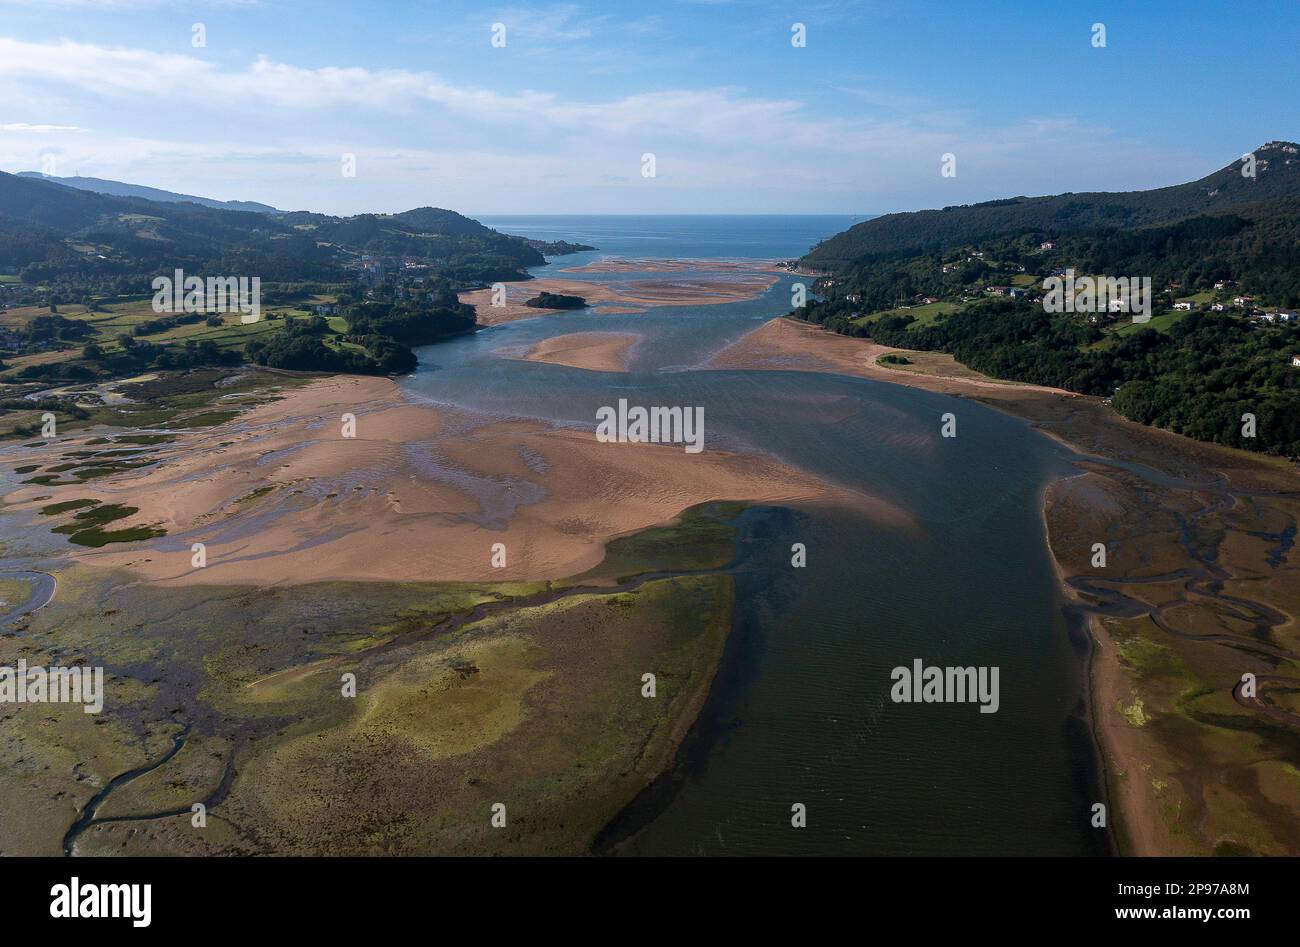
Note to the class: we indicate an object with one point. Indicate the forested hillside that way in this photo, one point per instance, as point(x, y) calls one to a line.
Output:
point(352, 294)
point(1222, 255)
point(78, 243)
point(1277, 176)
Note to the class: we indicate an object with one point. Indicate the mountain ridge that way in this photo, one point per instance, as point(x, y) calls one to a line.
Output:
point(52, 232)
point(1277, 176)
point(144, 191)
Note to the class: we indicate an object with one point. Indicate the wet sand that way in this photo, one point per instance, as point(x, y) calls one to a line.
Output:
point(787, 345)
point(709, 283)
point(421, 493)
point(593, 351)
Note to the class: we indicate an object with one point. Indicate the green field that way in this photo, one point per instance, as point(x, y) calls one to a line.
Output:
point(1160, 323)
point(924, 315)
point(195, 398)
point(111, 320)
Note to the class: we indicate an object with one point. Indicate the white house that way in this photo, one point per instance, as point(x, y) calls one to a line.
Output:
point(1295, 361)
point(1184, 306)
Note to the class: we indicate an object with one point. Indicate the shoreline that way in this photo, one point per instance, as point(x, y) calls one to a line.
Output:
point(1127, 751)
point(279, 497)
point(1075, 610)
point(254, 489)
point(214, 475)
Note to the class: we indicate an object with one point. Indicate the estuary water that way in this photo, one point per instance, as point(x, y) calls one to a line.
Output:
point(801, 710)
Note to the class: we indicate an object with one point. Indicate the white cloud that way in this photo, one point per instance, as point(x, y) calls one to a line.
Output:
point(41, 129)
point(114, 72)
point(114, 6)
point(264, 128)
point(563, 23)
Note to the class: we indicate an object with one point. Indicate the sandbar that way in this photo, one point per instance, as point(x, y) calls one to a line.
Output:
point(280, 495)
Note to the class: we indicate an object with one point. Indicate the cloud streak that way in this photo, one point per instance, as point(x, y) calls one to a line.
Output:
point(496, 148)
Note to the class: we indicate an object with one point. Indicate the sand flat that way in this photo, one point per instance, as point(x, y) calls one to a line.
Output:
point(422, 493)
point(785, 344)
point(593, 351)
point(709, 283)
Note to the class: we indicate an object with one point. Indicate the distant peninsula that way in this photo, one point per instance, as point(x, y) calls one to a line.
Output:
point(555, 247)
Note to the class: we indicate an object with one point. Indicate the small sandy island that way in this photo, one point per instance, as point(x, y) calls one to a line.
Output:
point(280, 495)
point(594, 351)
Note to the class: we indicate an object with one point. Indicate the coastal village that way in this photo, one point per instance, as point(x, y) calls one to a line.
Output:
point(969, 274)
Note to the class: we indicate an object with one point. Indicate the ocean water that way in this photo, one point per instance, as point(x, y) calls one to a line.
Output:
point(801, 710)
point(713, 236)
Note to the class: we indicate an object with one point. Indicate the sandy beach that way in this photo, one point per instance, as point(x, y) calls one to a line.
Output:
point(593, 351)
point(787, 345)
point(279, 496)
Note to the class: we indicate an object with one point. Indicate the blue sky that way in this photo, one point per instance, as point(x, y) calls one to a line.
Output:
point(557, 121)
